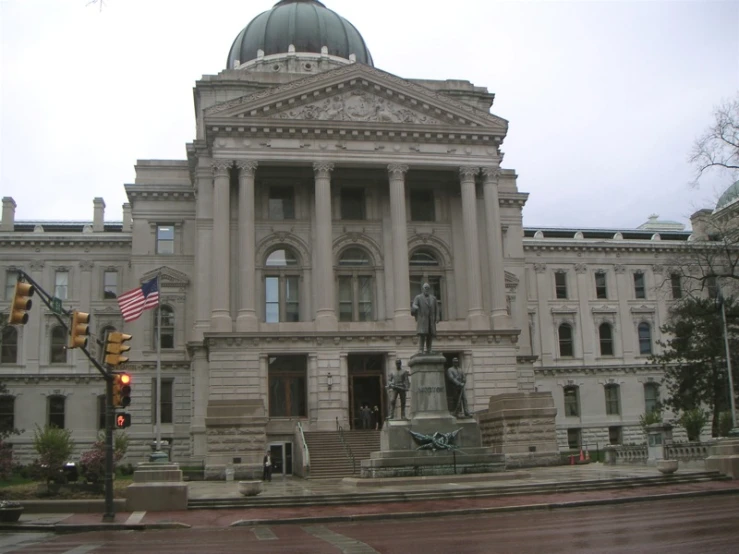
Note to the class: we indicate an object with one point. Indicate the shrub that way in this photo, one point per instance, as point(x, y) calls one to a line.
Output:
point(93, 461)
point(693, 421)
point(649, 418)
point(6, 460)
point(725, 423)
point(54, 447)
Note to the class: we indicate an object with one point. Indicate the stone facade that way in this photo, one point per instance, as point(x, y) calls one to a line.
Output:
point(314, 201)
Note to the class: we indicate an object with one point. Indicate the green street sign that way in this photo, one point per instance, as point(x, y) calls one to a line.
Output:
point(56, 305)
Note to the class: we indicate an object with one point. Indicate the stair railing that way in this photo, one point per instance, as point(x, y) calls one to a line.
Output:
point(347, 448)
point(304, 450)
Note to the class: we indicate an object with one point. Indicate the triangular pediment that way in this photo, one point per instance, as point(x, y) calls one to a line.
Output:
point(357, 93)
point(168, 277)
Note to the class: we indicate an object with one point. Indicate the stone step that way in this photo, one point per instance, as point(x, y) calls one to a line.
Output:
point(486, 490)
point(328, 455)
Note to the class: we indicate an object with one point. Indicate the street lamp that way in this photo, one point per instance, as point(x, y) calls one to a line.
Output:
point(734, 430)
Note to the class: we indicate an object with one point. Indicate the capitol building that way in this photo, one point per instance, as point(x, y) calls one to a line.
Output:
point(317, 196)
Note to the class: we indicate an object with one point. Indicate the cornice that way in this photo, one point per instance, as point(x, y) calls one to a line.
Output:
point(154, 193)
point(53, 240)
point(555, 245)
point(596, 370)
point(39, 378)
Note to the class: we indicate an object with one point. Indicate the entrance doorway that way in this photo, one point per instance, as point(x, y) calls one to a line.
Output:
point(282, 458)
point(366, 386)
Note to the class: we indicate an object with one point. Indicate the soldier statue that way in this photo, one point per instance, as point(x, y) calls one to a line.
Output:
point(458, 380)
point(398, 384)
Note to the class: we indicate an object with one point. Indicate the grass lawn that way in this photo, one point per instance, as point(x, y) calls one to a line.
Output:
point(24, 489)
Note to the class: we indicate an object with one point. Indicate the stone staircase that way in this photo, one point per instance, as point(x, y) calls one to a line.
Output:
point(328, 457)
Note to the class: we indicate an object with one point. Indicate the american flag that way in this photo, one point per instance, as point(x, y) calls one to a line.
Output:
point(134, 302)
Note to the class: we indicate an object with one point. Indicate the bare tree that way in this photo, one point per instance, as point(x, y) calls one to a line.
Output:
point(718, 147)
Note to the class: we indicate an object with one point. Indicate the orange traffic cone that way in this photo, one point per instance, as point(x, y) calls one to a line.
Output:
point(582, 456)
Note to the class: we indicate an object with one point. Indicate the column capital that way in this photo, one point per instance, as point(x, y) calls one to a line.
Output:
point(467, 173)
point(323, 169)
point(248, 167)
point(491, 173)
point(221, 167)
point(397, 171)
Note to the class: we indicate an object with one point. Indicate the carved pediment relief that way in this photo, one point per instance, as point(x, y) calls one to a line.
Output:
point(168, 277)
point(511, 281)
point(357, 93)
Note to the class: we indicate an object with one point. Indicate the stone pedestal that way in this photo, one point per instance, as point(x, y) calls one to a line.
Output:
point(522, 427)
point(236, 438)
point(157, 487)
point(724, 457)
point(402, 456)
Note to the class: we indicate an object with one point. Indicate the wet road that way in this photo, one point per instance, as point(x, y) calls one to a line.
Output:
point(696, 526)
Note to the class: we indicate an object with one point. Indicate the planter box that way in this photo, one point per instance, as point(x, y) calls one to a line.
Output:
point(10, 515)
point(250, 488)
point(666, 467)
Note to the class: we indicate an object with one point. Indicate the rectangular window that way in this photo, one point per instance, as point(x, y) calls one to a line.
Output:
point(712, 286)
point(677, 289)
point(7, 414)
point(282, 298)
point(572, 402)
point(614, 435)
point(166, 401)
point(110, 284)
point(651, 397)
point(346, 304)
point(165, 239)
point(281, 203)
point(56, 411)
point(574, 438)
point(423, 207)
point(11, 278)
point(101, 411)
point(613, 402)
point(355, 298)
point(287, 386)
point(560, 284)
point(601, 291)
point(640, 290)
point(61, 285)
point(353, 205)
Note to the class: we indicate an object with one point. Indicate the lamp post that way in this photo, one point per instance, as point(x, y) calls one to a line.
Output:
point(734, 429)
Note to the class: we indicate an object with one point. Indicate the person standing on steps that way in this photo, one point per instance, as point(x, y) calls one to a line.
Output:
point(376, 418)
point(267, 473)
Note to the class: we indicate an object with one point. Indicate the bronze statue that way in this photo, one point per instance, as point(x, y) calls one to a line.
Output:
point(426, 311)
point(458, 380)
point(399, 383)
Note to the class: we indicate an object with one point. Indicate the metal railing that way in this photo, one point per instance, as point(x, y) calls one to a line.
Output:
point(347, 448)
point(305, 451)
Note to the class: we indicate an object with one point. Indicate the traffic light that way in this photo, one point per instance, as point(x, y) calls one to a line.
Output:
point(121, 390)
point(80, 329)
point(21, 303)
point(122, 420)
point(114, 347)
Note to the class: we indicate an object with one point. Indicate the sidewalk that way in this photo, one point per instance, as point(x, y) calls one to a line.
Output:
point(288, 487)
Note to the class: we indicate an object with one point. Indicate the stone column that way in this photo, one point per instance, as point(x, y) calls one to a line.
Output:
point(247, 318)
point(325, 309)
point(220, 318)
point(401, 277)
point(495, 244)
point(475, 314)
point(203, 248)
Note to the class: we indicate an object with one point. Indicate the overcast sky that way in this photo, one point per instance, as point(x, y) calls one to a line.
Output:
point(604, 99)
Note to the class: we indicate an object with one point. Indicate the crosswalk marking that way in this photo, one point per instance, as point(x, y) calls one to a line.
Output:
point(12, 541)
point(264, 534)
point(346, 544)
point(84, 548)
point(135, 517)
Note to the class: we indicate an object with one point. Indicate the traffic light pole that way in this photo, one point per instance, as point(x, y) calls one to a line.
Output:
point(109, 514)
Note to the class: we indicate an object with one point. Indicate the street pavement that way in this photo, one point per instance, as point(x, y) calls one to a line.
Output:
point(290, 487)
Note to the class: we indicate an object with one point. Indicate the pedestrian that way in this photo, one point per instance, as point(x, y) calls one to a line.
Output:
point(376, 418)
point(267, 473)
point(366, 416)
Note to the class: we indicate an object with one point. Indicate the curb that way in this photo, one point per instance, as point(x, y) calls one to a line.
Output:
point(482, 510)
point(89, 527)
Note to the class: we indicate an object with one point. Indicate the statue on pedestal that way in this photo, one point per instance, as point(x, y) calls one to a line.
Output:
point(458, 379)
point(399, 383)
point(426, 311)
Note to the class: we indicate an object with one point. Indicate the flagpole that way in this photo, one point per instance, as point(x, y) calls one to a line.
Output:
point(159, 367)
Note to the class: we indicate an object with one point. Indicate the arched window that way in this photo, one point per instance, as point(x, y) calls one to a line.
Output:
point(9, 346)
point(613, 399)
point(356, 285)
point(565, 340)
point(645, 338)
point(58, 345)
point(281, 286)
point(605, 333)
point(572, 401)
point(167, 332)
point(426, 268)
point(651, 397)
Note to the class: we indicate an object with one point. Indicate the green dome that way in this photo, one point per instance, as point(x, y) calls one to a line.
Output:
point(729, 196)
point(306, 24)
